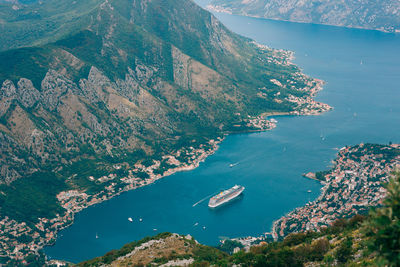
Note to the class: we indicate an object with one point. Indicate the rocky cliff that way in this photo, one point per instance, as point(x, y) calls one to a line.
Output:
point(102, 96)
point(367, 14)
point(149, 76)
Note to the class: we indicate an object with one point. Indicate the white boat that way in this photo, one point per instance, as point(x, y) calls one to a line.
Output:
point(130, 219)
point(225, 196)
point(140, 219)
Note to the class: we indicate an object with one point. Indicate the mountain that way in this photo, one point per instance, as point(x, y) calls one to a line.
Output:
point(381, 15)
point(110, 77)
point(102, 96)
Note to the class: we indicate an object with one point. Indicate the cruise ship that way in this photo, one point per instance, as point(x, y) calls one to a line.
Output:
point(225, 196)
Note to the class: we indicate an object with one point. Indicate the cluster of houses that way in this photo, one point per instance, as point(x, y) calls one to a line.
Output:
point(353, 185)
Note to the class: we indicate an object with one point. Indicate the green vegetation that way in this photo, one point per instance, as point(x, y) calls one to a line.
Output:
point(383, 227)
point(68, 41)
point(321, 175)
point(33, 197)
point(114, 254)
point(126, 82)
point(32, 260)
point(229, 245)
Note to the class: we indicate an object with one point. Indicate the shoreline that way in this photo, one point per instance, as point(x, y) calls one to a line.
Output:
point(352, 185)
point(75, 201)
point(315, 108)
point(312, 176)
point(219, 9)
point(274, 114)
point(195, 164)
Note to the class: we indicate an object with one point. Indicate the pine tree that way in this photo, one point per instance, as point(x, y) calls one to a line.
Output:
point(383, 227)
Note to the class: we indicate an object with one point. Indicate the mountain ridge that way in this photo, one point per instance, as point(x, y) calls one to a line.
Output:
point(382, 15)
point(116, 100)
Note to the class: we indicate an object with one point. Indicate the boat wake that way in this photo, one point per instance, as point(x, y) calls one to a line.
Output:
point(203, 199)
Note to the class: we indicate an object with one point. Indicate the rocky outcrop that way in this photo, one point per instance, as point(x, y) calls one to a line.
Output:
point(28, 95)
point(54, 86)
point(7, 95)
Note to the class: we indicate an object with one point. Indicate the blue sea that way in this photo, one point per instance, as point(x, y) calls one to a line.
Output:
point(362, 73)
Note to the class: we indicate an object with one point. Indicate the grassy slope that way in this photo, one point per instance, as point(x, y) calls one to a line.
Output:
point(338, 243)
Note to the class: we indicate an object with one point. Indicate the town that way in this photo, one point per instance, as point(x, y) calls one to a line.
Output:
point(17, 239)
point(352, 186)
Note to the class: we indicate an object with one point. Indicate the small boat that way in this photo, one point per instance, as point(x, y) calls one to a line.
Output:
point(196, 224)
point(130, 219)
point(233, 164)
point(309, 191)
point(204, 227)
point(97, 236)
point(154, 229)
point(140, 219)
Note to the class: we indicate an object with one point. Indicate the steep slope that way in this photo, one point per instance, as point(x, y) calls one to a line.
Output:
point(102, 96)
point(127, 81)
point(366, 14)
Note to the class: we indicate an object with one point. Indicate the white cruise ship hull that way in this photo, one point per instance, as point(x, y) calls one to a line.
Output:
point(234, 195)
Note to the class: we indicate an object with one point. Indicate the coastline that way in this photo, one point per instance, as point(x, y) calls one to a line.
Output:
point(352, 186)
point(219, 9)
point(274, 114)
point(196, 162)
point(75, 201)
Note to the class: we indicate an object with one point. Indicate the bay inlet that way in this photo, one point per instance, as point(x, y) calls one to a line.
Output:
point(270, 165)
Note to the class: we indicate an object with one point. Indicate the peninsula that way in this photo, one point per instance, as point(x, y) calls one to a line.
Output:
point(352, 186)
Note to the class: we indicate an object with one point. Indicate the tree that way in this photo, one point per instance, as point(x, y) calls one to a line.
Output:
point(345, 251)
point(383, 227)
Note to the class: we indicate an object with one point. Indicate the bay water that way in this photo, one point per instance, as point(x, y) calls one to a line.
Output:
point(362, 73)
